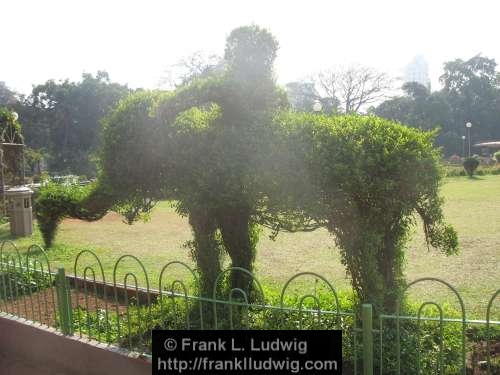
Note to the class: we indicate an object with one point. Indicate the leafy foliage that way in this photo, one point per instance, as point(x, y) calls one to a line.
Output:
point(12, 156)
point(471, 93)
point(8, 97)
point(365, 178)
point(470, 165)
point(220, 148)
point(8, 123)
point(497, 156)
point(55, 202)
point(202, 146)
point(64, 119)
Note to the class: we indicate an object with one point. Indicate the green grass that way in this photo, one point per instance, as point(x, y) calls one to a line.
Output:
point(472, 206)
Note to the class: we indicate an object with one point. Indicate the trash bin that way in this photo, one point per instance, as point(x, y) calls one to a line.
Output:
point(20, 210)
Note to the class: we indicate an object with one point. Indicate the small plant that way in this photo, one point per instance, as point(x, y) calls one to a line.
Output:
point(17, 281)
point(470, 166)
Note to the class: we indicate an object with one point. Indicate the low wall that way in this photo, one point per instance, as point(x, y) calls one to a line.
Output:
point(26, 348)
point(142, 295)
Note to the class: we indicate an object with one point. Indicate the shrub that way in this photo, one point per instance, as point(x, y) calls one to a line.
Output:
point(57, 201)
point(497, 156)
point(470, 166)
point(368, 177)
point(172, 313)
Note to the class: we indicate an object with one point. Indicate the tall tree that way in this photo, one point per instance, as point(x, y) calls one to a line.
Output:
point(68, 113)
point(471, 93)
point(304, 94)
point(195, 66)
point(419, 108)
point(354, 87)
point(7, 97)
point(473, 90)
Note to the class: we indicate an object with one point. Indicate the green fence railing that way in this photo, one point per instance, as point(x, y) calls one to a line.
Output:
point(124, 313)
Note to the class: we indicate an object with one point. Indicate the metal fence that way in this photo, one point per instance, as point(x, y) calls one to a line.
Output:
point(122, 312)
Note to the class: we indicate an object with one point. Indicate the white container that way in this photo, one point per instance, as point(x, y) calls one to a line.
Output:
point(21, 212)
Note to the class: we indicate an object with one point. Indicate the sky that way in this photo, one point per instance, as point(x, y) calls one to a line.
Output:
point(136, 41)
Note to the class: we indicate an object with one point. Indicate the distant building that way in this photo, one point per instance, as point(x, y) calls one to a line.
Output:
point(418, 71)
point(488, 148)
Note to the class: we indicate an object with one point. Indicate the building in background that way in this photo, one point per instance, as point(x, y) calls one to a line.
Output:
point(418, 71)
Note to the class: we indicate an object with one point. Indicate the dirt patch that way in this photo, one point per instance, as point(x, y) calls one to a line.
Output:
point(41, 306)
point(477, 358)
point(111, 217)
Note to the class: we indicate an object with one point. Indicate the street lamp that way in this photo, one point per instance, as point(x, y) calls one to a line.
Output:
point(468, 125)
point(317, 107)
point(463, 146)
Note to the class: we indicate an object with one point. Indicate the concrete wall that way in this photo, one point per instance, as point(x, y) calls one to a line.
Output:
point(26, 348)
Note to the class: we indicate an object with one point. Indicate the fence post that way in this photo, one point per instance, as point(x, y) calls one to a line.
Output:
point(64, 303)
point(367, 326)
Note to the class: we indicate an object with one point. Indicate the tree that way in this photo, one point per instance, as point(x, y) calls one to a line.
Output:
point(7, 97)
point(473, 90)
point(66, 117)
point(198, 65)
point(424, 110)
point(420, 108)
point(471, 93)
point(353, 87)
point(303, 95)
point(11, 157)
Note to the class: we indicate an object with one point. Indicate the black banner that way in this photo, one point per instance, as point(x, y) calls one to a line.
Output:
point(247, 352)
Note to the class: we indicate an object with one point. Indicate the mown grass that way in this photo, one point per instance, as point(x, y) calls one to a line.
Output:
point(471, 205)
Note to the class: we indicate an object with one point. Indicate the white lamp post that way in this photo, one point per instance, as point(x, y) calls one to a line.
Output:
point(468, 125)
point(317, 107)
point(463, 146)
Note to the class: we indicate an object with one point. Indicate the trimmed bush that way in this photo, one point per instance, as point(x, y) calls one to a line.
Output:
point(496, 155)
point(55, 202)
point(470, 165)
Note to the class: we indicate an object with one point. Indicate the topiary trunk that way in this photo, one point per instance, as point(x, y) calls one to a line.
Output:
point(205, 248)
point(240, 241)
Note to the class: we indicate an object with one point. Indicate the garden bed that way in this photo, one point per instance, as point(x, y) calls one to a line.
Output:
point(41, 307)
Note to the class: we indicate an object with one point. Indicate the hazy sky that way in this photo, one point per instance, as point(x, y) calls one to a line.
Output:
point(136, 40)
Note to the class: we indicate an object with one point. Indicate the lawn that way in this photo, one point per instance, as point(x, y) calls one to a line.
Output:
point(471, 205)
